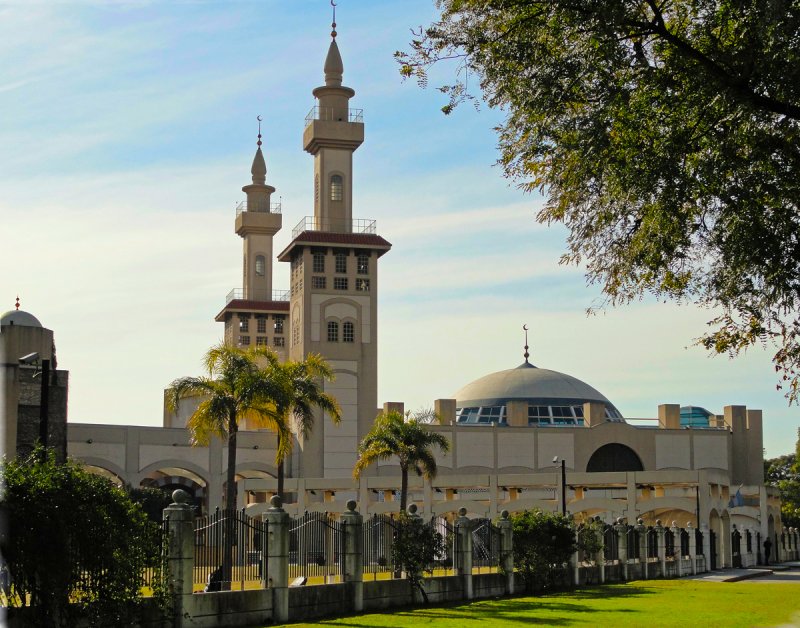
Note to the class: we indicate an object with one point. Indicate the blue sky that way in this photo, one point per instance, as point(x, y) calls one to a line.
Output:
point(128, 129)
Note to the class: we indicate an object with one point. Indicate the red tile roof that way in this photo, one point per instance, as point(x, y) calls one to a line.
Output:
point(371, 240)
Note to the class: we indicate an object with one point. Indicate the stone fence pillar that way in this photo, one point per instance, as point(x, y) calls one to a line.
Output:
point(692, 547)
point(507, 550)
point(600, 557)
point(622, 547)
point(464, 554)
point(706, 547)
point(677, 548)
point(278, 564)
point(179, 520)
point(662, 554)
point(641, 535)
point(353, 554)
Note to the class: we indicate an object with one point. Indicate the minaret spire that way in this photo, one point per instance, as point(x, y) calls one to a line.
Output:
point(259, 168)
point(333, 23)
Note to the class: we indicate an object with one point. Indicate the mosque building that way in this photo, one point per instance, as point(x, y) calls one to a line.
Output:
point(518, 436)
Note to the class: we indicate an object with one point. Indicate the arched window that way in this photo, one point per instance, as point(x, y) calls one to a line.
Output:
point(333, 331)
point(614, 457)
point(348, 332)
point(261, 265)
point(337, 188)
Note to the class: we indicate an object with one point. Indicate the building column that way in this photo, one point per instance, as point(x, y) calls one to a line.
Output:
point(278, 563)
point(706, 547)
point(600, 557)
point(464, 555)
point(352, 549)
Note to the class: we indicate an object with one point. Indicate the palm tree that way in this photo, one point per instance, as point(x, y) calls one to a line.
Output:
point(406, 437)
point(236, 388)
point(300, 383)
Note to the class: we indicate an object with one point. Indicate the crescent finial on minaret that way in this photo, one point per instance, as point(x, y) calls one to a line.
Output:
point(333, 23)
point(259, 131)
point(526, 354)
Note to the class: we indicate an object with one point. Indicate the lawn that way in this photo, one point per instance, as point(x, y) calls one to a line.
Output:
point(636, 604)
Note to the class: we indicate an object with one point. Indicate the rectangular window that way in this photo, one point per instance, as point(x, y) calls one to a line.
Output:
point(341, 263)
point(244, 322)
point(279, 341)
point(318, 282)
point(319, 262)
point(261, 325)
point(362, 285)
point(363, 264)
point(261, 341)
point(279, 318)
point(340, 283)
point(244, 341)
point(348, 332)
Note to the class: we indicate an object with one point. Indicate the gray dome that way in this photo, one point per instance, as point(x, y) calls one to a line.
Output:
point(528, 383)
point(19, 318)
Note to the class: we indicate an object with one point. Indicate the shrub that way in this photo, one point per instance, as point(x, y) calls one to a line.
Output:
point(415, 549)
point(543, 542)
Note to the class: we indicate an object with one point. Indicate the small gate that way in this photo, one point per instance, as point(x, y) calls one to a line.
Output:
point(485, 546)
point(314, 547)
point(446, 563)
point(379, 534)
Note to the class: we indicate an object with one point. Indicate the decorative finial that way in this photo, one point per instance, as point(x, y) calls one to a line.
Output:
point(259, 131)
point(17, 304)
point(333, 24)
point(526, 354)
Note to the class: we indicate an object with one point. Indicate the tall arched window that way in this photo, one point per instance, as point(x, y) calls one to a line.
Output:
point(614, 457)
point(333, 331)
point(337, 188)
point(348, 332)
point(261, 265)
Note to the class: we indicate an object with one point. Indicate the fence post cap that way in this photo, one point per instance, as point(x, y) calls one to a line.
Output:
point(276, 502)
point(462, 512)
point(689, 524)
point(412, 509)
point(640, 521)
point(351, 505)
point(504, 514)
point(658, 523)
point(179, 496)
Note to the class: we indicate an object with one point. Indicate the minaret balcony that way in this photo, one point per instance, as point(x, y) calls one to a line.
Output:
point(312, 223)
point(334, 114)
point(238, 294)
point(274, 208)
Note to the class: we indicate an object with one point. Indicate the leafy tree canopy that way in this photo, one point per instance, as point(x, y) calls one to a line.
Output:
point(543, 542)
point(75, 545)
point(665, 135)
point(415, 549)
point(784, 473)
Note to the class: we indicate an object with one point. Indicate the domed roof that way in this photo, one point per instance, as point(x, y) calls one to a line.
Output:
point(20, 318)
point(527, 382)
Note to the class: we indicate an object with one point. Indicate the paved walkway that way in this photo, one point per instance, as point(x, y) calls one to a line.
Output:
point(783, 572)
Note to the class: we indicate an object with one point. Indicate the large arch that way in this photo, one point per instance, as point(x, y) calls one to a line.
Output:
point(614, 457)
point(102, 465)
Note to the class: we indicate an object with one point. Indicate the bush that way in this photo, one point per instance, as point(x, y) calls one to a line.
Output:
point(543, 542)
point(415, 549)
point(75, 544)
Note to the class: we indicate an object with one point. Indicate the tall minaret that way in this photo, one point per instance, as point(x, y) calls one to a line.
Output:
point(333, 133)
point(255, 315)
point(257, 224)
point(334, 281)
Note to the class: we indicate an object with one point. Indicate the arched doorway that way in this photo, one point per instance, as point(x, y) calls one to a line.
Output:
point(614, 457)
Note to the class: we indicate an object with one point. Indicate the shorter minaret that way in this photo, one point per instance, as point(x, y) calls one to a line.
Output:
point(255, 314)
point(257, 221)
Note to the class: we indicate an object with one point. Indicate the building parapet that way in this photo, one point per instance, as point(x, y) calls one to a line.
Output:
point(238, 294)
point(274, 208)
point(333, 114)
point(312, 223)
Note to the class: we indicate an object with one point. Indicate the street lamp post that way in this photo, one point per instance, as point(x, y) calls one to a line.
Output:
point(563, 484)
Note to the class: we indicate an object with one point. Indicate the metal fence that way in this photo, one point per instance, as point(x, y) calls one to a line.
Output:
point(610, 544)
point(315, 545)
point(229, 540)
point(445, 564)
point(153, 576)
point(379, 533)
point(485, 546)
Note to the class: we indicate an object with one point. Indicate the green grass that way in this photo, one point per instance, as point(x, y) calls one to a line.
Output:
point(638, 604)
